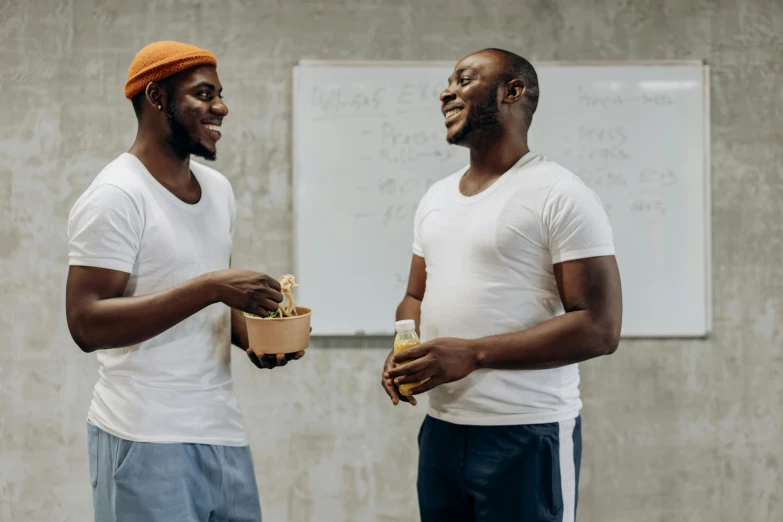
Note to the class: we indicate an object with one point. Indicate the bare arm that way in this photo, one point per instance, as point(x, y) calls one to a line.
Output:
point(239, 330)
point(592, 298)
point(410, 307)
point(100, 318)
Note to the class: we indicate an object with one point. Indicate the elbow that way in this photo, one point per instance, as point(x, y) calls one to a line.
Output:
point(603, 337)
point(611, 346)
point(78, 334)
point(610, 337)
point(82, 343)
point(84, 346)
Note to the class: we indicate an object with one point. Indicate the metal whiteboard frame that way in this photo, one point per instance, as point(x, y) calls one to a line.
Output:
point(708, 308)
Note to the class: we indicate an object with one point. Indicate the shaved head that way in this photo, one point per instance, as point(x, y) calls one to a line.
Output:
point(517, 68)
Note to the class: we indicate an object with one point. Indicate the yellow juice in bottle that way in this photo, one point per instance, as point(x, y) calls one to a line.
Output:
point(405, 338)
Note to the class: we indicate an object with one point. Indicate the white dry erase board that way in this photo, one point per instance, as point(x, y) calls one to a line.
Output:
point(369, 140)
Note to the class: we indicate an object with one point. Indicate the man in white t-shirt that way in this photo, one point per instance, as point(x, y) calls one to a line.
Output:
point(150, 291)
point(513, 282)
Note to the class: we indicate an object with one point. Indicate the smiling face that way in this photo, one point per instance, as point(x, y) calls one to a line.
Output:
point(470, 103)
point(195, 112)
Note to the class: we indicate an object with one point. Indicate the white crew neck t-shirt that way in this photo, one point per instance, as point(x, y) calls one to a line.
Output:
point(489, 260)
point(177, 386)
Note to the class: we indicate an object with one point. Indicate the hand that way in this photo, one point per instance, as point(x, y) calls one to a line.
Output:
point(440, 360)
point(270, 361)
point(247, 291)
point(391, 390)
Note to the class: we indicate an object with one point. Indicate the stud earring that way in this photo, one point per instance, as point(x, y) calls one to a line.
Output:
point(160, 107)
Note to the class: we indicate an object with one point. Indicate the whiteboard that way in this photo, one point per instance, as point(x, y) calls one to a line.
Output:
point(369, 140)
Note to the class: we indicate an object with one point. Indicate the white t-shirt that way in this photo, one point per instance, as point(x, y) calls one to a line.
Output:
point(175, 387)
point(489, 261)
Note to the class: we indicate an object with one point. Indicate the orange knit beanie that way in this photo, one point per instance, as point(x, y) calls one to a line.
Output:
point(162, 59)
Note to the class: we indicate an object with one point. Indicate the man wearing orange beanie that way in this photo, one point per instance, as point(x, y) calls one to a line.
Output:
point(151, 292)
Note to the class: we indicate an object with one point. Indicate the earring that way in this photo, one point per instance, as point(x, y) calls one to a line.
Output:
point(160, 107)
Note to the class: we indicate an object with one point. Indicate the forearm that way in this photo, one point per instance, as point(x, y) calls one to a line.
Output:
point(410, 308)
point(239, 330)
point(125, 321)
point(567, 339)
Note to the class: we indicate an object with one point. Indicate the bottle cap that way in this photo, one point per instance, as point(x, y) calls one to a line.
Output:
point(405, 324)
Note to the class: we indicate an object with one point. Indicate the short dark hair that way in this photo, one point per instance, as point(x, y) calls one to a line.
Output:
point(519, 68)
point(167, 84)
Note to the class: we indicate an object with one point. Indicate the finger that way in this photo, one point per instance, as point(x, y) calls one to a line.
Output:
point(298, 355)
point(282, 360)
point(269, 304)
point(417, 352)
point(409, 368)
point(426, 373)
point(404, 398)
point(400, 396)
point(262, 311)
point(273, 283)
point(389, 366)
point(391, 391)
point(427, 386)
point(253, 358)
point(270, 361)
point(265, 360)
point(275, 296)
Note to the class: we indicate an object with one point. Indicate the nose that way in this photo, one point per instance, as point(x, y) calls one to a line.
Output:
point(447, 95)
point(220, 107)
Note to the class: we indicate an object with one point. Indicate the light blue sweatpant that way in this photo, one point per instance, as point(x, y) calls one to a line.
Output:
point(152, 482)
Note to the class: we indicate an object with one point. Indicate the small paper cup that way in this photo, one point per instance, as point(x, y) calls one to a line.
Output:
point(279, 334)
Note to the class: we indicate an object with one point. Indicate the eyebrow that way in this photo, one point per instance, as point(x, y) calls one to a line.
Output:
point(207, 85)
point(459, 72)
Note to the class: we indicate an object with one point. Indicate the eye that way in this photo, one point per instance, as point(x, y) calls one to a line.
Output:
point(205, 94)
point(464, 80)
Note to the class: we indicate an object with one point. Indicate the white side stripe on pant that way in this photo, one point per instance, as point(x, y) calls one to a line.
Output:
point(567, 470)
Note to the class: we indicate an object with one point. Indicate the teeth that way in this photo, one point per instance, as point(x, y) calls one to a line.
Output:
point(212, 127)
point(452, 112)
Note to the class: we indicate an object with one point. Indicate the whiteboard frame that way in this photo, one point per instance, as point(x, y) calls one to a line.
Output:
point(707, 199)
point(708, 291)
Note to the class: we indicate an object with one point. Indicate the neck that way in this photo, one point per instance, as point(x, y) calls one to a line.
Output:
point(495, 155)
point(166, 165)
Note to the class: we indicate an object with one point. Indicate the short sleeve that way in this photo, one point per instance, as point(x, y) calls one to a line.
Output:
point(575, 222)
point(422, 210)
point(104, 230)
point(417, 248)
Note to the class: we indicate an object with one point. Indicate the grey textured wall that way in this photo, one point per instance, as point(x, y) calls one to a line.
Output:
point(673, 430)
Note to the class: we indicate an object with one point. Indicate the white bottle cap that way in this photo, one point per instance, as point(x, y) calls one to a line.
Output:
point(405, 324)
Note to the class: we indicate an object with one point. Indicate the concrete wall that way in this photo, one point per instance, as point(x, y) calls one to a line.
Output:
point(673, 430)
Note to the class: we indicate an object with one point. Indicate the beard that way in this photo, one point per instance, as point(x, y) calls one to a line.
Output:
point(180, 139)
point(482, 120)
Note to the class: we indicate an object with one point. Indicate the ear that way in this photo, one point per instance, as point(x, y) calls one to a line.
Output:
point(156, 96)
point(513, 91)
